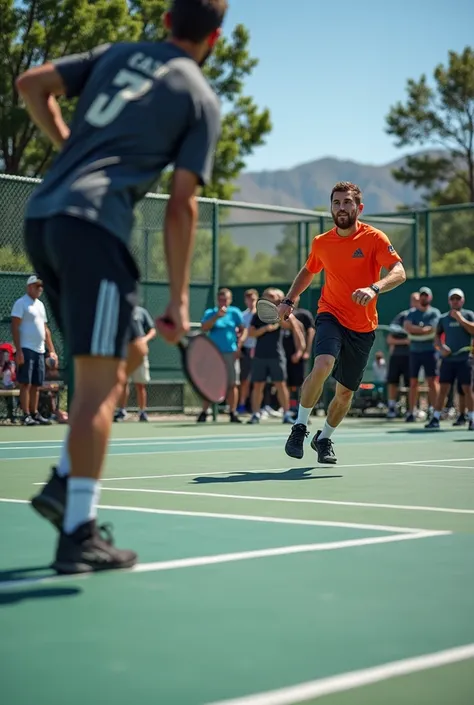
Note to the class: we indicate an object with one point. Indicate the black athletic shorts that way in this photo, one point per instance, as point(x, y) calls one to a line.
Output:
point(426, 359)
point(351, 349)
point(455, 370)
point(398, 367)
point(91, 283)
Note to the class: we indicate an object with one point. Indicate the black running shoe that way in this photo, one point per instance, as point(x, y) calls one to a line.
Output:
point(51, 501)
point(87, 550)
point(295, 444)
point(324, 448)
point(433, 424)
point(460, 421)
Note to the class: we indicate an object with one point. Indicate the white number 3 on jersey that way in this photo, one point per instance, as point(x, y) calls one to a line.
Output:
point(105, 109)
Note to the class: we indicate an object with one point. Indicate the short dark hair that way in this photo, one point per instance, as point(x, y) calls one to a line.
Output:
point(194, 20)
point(348, 187)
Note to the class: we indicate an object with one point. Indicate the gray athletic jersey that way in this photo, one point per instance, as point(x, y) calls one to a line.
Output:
point(142, 106)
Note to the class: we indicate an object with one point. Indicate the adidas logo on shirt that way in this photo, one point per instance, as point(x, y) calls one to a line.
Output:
point(358, 253)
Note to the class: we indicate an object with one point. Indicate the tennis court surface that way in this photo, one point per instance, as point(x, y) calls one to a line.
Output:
point(262, 581)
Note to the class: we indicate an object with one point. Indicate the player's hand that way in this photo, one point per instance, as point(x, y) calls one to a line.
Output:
point(363, 296)
point(270, 327)
point(19, 358)
point(221, 312)
point(457, 315)
point(445, 351)
point(296, 357)
point(284, 311)
point(54, 357)
point(174, 323)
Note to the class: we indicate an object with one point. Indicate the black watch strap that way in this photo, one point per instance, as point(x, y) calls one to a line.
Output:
point(375, 288)
point(288, 302)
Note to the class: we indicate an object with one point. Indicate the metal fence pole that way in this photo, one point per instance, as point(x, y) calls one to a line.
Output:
point(215, 268)
point(427, 243)
point(416, 246)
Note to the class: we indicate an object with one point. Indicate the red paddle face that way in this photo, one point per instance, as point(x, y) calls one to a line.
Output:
point(207, 369)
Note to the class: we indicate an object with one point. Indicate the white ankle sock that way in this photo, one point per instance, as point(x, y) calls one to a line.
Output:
point(327, 431)
point(64, 465)
point(81, 505)
point(303, 415)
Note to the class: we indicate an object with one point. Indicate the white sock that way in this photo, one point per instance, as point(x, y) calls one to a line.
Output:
point(64, 465)
point(81, 505)
point(391, 404)
point(437, 415)
point(326, 432)
point(303, 415)
point(471, 415)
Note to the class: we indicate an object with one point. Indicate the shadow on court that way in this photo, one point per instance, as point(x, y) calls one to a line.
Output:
point(413, 431)
point(291, 474)
point(13, 597)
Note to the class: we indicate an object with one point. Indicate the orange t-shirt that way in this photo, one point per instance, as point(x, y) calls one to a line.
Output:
point(350, 263)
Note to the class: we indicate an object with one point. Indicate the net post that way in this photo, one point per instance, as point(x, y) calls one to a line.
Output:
point(215, 268)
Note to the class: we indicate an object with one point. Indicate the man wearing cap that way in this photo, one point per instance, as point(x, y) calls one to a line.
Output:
point(31, 336)
point(458, 327)
point(421, 324)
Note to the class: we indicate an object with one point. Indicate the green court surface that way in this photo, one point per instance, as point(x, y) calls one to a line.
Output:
point(261, 581)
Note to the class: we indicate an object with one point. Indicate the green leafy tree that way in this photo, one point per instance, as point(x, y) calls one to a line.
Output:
point(34, 32)
point(440, 114)
point(455, 262)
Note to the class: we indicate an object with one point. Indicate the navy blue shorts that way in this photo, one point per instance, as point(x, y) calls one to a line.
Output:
point(425, 359)
point(33, 369)
point(351, 349)
point(452, 370)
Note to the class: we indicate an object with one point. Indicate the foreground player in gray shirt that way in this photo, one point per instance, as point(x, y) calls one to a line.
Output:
point(141, 107)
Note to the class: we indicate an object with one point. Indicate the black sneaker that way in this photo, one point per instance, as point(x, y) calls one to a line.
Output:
point(295, 444)
point(324, 449)
point(233, 418)
point(460, 421)
point(50, 503)
point(434, 423)
point(471, 426)
point(87, 551)
point(410, 418)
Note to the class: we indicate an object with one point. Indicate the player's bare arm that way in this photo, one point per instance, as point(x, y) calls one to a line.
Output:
point(467, 325)
point(38, 88)
point(179, 231)
point(302, 280)
point(394, 278)
point(417, 330)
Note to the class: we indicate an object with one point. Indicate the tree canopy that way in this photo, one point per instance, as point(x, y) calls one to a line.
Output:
point(35, 32)
point(439, 115)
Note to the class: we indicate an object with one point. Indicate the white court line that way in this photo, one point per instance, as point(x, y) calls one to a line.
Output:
point(455, 467)
point(251, 517)
point(293, 500)
point(326, 468)
point(439, 460)
point(354, 679)
point(200, 561)
point(241, 436)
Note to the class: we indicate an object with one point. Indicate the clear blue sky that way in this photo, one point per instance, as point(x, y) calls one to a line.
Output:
point(329, 71)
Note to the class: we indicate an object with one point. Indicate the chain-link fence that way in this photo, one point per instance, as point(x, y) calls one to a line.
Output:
point(238, 245)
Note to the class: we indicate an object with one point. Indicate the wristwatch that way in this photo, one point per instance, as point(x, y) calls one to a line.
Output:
point(375, 288)
point(288, 302)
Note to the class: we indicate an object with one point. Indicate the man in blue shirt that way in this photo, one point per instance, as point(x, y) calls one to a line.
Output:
point(420, 324)
point(457, 325)
point(225, 325)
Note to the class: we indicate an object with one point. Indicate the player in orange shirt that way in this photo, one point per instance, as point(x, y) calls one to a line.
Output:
point(352, 255)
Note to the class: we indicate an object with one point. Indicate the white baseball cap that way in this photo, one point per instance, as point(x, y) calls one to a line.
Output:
point(33, 280)
point(456, 292)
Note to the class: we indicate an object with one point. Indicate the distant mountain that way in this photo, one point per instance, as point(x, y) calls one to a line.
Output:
point(309, 185)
